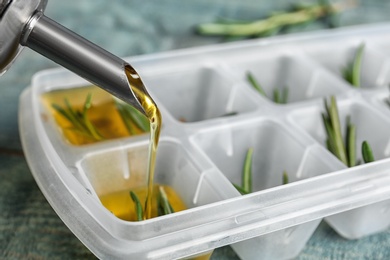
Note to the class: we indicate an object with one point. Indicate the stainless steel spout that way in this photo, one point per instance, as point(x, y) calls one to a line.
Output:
point(24, 24)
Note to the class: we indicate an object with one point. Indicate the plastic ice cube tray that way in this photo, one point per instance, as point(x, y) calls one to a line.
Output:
point(201, 157)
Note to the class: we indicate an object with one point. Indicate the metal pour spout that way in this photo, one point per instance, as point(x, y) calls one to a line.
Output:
point(23, 24)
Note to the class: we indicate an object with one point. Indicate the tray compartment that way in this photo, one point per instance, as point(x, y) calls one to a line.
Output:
point(103, 115)
point(124, 168)
point(336, 56)
point(199, 93)
point(304, 79)
point(371, 126)
point(275, 150)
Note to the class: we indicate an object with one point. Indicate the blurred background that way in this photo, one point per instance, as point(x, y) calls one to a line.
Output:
point(29, 228)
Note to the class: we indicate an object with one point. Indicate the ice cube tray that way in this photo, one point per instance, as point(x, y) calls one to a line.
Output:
point(202, 152)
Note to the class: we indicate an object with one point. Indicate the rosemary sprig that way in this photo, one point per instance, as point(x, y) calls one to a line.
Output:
point(344, 151)
point(130, 116)
point(247, 176)
point(285, 178)
point(279, 96)
point(138, 206)
point(351, 143)
point(332, 126)
point(368, 156)
point(240, 189)
point(271, 25)
point(255, 84)
point(352, 73)
point(246, 185)
point(229, 114)
point(79, 119)
point(165, 207)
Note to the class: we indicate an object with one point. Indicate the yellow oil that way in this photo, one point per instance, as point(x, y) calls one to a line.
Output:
point(103, 114)
point(202, 257)
point(122, 206)
point(153, 114)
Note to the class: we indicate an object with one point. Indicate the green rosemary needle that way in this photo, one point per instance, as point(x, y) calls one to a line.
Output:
point(164, 205)
point(346, 152)
point(335, 124)
point(367, 154)
point(240, 189)
point(285, 177)
point(351, 143)
point(352, 74)
point(279, 96)
point(247, 175)
point(246, 185)
point(229, 114)
point(79, 119)
point(138, 206)
point(255, 84)
point(130, 116)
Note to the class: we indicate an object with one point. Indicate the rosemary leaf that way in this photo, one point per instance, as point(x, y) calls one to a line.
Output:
point(240, 189)
point(285, 177)
point(351, 143)
point(330, 141)
point(229, 114)
point(277, 99)
point(91, 128)
point(247, 173)
point(255, 84)
point(138, 206)
point(88, 124)
point(62, 111)
point(79, 119)
point(367, 154)
point(338, 139)
point(352, 73)
point(281, 96)
point(164, 202)
point(87, 104)
point(130, 114)
point(127, 123)
point(74, 118)
point(347, 75)
point(356, 68)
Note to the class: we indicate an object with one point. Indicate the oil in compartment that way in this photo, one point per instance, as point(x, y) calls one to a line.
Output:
point(103, 114)
point(122, 206)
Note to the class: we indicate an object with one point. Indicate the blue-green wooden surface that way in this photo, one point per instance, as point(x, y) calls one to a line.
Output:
point(29, 228)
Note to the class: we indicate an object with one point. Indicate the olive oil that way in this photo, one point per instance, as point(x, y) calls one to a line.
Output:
point(103, 114)
point(154, 116)
point(121, 205)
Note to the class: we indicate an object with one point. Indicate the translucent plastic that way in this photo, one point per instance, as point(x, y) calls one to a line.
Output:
point(211, 117)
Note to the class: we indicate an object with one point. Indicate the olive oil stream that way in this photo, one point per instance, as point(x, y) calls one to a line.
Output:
point(154, 116)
